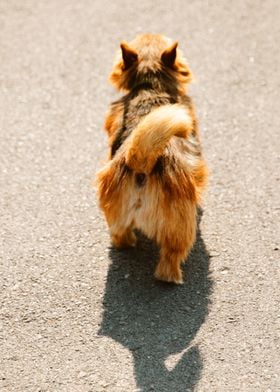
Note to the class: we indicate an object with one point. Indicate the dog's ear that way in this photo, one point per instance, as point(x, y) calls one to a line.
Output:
point(168, 57)
point(129, 55)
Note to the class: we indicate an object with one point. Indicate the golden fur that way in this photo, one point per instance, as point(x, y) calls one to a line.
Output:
point(156, 173)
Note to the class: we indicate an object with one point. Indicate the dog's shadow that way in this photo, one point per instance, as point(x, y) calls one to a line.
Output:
point(156, 320)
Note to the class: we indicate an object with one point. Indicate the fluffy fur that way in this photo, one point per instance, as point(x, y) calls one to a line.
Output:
point(155, 173)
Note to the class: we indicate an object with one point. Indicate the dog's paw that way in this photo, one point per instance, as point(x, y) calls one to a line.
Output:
point(127, 240)
point(166, 273)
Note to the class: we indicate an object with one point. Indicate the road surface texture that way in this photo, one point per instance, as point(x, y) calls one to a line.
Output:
point(77, 315)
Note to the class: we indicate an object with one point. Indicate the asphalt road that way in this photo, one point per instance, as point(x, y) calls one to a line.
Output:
point(77, 315)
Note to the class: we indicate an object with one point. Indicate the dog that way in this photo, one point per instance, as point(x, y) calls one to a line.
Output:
point(155, 174)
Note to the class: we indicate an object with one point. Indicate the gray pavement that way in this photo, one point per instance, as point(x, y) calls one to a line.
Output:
point(77, 315)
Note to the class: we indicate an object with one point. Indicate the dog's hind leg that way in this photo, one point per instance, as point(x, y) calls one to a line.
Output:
point(176, 241)
point(115, 190)
point(121, 227)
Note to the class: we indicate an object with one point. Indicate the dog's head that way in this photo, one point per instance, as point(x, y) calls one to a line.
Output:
point(150, 56)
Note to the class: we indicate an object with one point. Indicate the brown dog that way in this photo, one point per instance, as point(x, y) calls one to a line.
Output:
point(156, 172)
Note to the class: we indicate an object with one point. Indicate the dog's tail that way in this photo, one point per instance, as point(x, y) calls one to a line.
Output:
point(150, 137)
